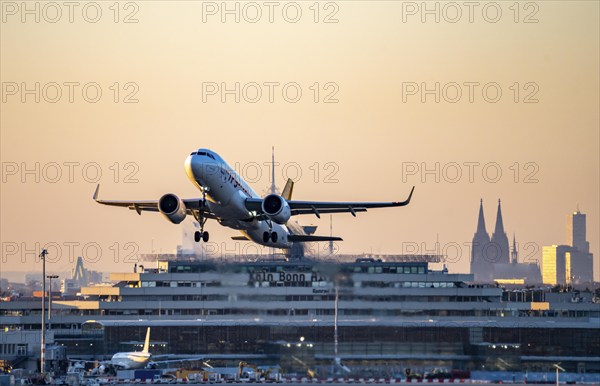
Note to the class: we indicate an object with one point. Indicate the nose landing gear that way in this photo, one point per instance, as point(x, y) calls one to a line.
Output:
point(201, 234)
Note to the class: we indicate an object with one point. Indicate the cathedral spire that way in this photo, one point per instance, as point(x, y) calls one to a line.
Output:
point(500, 239)
point(481, 219)
point(480, 265)
point(499, 224)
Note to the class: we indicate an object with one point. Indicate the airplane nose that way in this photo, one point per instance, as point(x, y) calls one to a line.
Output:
point(189, 170)
point(200, 168)
point(188, 160)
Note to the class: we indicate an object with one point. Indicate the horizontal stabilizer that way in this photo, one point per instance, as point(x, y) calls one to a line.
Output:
point(309, 238)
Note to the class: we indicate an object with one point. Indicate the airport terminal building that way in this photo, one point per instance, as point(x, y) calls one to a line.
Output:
point(389, 315)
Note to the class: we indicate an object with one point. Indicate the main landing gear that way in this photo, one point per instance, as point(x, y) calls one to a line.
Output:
point(200, 235)
point(270, 235)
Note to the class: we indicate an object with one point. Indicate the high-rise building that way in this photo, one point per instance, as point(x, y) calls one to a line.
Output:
point(556, 264)
point(571, 263)
point(582, 261)
point(576, 231)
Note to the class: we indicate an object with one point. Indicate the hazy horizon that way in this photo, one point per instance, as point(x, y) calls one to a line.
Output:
point(516, 118)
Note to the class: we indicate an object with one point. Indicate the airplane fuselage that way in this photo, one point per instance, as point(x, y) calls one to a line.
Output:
point(226, 193)
point(130, 360)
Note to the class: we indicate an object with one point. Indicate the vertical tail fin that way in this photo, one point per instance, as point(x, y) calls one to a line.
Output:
point(147, 341)
point(287, 191)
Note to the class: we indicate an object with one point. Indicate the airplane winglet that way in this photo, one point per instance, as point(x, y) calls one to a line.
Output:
point(409, 196)
point(405, 202)
point(95, 196)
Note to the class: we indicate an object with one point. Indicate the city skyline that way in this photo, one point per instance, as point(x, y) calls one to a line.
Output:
point(512, 251)
point(379, 113)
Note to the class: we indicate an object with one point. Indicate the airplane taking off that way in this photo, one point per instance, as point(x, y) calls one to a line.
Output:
point(227, 198)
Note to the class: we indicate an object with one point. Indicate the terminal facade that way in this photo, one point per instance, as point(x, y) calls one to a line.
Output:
point(390, 315)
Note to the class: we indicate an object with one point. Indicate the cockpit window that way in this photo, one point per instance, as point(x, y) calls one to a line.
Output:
point(206, 153)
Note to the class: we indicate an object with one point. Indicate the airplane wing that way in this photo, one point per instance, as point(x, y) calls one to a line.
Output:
point(194, 206)
point(178, 360)
point(75, 360)
point(319, 207)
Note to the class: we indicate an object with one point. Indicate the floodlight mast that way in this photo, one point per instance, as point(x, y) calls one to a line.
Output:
point(43, 255)
point(50, 301)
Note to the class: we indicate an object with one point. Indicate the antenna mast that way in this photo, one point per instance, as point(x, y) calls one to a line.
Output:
point(272, 169)
point(331, 234)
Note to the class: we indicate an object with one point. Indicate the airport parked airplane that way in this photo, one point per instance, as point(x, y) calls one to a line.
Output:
point(135, 359)
point(123, 360)
point(227, 198)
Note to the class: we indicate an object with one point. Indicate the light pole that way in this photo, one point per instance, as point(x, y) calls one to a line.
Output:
point(335, 321)
point(50, 301)
point(43, 255)
point(557, 367)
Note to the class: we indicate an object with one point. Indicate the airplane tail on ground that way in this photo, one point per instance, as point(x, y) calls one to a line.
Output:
point(338, 362)
point(147, 341)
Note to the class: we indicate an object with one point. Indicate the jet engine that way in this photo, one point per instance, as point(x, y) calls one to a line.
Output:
point(277, 208)
point(172, 207)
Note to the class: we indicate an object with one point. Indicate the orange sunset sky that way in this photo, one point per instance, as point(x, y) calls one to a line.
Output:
point(372, 59)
